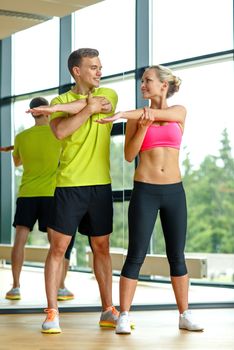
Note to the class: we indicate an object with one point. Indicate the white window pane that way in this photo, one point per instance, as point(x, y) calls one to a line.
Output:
point(35, 61)
point(207, 93)
point(109, 27)
point(187, 28)
point(125, 89)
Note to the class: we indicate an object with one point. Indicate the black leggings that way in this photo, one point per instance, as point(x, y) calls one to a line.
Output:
point(146, 201)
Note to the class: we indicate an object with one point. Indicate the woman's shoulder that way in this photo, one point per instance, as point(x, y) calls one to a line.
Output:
point(182, 108)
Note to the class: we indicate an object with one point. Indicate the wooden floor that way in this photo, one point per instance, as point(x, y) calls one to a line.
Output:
point(155, 330)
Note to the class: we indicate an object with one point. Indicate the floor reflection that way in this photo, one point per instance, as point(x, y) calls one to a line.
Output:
point(85, 289)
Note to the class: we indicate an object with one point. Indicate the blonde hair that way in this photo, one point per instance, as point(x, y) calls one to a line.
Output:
point(165, 74)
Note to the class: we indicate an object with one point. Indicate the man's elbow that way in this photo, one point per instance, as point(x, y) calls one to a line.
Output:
point(58, 132)
point(59, 135)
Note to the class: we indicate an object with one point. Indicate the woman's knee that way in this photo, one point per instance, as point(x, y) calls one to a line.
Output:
point(177, 266)
point(132, 266)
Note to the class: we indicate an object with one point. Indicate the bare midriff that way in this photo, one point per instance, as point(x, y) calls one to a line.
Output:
point(158, 166)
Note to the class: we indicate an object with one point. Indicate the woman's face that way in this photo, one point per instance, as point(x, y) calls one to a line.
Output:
point(151, 86)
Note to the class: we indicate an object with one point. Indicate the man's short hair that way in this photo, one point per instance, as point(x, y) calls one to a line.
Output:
point(38, 101)
point(76, 56)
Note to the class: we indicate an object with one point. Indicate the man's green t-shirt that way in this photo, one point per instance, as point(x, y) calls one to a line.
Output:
point(39, 152)
point(85, 157)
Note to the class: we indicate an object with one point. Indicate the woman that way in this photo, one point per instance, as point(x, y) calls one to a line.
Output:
point(155, 133)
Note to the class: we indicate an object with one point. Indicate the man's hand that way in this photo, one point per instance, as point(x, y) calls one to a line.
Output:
point(6, 149)
point(98, 104)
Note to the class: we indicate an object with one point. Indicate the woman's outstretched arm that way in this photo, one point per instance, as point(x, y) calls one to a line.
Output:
point(175, 113)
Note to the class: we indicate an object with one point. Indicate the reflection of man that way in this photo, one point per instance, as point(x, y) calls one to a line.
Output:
point(38, 151)
point(83, 196)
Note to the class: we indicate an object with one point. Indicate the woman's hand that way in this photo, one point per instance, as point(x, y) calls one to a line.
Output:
point(106, 120)
point(146, 118)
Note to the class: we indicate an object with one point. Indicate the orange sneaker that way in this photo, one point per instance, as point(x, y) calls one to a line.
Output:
point(51, 323)
point(109, 317)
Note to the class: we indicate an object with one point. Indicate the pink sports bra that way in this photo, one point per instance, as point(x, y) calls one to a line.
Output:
point(168, 135)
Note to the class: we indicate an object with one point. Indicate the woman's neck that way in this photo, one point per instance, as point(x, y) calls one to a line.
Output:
point(158, 103)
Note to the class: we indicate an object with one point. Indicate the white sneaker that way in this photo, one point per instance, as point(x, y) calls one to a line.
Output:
point(187, 321)
point(123, 324)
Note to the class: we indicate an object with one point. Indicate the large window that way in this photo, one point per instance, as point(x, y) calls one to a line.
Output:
point(207, 159)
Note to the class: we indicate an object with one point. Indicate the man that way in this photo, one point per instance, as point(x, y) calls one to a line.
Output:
point(38, 151)
point(83, 196)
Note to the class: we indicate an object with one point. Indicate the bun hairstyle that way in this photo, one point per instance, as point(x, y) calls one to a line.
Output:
point(165, 74)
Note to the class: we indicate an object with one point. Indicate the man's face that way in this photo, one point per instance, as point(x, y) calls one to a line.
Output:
point(89, 72)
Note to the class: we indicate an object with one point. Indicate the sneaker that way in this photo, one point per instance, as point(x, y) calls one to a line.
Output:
point(123, 324)
point(109, 317)
point(186, 321)
point(64, 294)
point(51, 323)
point(13, 294)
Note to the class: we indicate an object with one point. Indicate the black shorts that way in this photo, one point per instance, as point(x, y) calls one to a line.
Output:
point(31, 209)
point(86, 208)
